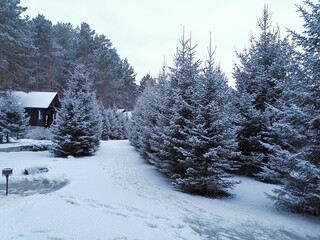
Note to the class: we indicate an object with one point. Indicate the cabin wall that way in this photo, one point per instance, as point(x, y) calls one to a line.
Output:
point(42, 117)
point(36, 116)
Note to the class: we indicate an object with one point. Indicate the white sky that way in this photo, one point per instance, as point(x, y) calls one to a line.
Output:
point(147, 31)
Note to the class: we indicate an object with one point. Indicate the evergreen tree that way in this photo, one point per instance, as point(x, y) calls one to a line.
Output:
point(63, 54)
point(310, 87)
point(13, 119)
point(146, 81)
point(276, 123)
point(113, 78)
point(300, 191)
point(112, 116)
point(106, 126)
point(15, 46)
point(212, 137)
point(144, 122)
point(43, 57)
point(129, 88)
point(258, 76)
point(78, 127)
point(84, 49)
point(141, 124)
point(114, 124)
point(148, 119)
point(122, 123)
point(107, 63)
point(184, 125)
point(178, 117)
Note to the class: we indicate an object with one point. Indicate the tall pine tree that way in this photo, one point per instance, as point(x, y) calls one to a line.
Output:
point(63, 55)
point(43, 57)
point(15, 47)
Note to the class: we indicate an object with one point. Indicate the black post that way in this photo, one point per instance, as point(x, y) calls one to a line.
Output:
point(7, 177)
point(7, 172)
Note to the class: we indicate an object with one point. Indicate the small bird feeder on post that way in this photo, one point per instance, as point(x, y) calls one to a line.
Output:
point(7, 172)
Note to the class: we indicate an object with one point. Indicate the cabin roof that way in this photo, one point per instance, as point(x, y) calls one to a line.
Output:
point(35, 99)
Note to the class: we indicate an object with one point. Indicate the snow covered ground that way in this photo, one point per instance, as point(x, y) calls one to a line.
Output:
point(117, 195)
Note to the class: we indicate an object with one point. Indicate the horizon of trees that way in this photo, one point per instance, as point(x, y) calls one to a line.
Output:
point(36, 55)
point(188, 122)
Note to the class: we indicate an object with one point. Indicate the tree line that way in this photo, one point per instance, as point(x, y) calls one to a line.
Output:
point(200, 132)
point(36, 55)
point(188, 122)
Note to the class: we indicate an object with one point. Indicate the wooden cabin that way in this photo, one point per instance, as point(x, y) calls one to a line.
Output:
point(41, 107)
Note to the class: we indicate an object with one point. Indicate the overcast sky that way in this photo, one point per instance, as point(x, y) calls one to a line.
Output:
point(147, 31)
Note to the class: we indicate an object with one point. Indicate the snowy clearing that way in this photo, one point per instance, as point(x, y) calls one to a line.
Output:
point(117, 195)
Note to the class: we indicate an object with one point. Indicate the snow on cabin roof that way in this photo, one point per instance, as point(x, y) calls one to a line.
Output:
point(35, 99)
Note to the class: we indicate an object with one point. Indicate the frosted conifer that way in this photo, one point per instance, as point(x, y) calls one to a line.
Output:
point(300, 191)
point(77, 130)
point(262, 69)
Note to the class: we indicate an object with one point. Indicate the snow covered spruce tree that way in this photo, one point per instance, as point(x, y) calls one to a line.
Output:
point(178, 116)
point(300, 191)
point(187, 139)
point(277, 130)
point(106, 126)
point(159, 118)
point(142, 122)
point(145, 124)
point(261, 70)
point(114, 124)
point(77, 130)
point(13, 120)
point(210, 136)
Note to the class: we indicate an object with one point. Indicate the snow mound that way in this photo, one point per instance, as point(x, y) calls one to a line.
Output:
point(35, 170)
